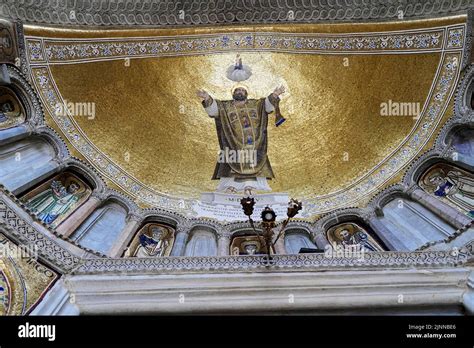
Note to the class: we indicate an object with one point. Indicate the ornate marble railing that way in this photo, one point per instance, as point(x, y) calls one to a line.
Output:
point(299, 262)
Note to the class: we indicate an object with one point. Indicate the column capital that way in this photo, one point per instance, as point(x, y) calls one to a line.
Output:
point(183, 227)
point(134, 217)
point(224, 236)
point(98, 195)
point(412, 189)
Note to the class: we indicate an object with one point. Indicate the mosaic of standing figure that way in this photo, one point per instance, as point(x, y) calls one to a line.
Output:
point(152, 240)
point(57, 198)
point(352, 235)
point(451, 184)
point(248, 245)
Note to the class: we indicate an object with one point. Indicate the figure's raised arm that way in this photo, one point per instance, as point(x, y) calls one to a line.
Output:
point(202, 94)
point(208, 102)
point(272, 103)
point(273, 98)
point(279, 91)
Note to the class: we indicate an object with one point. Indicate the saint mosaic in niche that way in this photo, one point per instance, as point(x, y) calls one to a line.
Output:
point(56, 199)
point(153, 240)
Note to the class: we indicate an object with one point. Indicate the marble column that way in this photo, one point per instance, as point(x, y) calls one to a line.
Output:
point(389, 238)
point(443, 210)
point(133, 222)
point(320, 240)
point(73, 221)
point(182, 234)
point(223, 245)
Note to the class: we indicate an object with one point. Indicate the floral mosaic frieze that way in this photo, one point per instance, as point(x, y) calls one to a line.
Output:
point(66, 50)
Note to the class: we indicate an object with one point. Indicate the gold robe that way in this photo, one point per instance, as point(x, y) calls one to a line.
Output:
point(243, 127)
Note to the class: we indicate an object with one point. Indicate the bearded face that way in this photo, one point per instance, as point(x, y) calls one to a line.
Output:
point(73, 188)
point(7, 107)
point(240, 94)
point(345, 235)
point(437, 180)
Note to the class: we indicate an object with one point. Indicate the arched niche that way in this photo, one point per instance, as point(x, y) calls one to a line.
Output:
point(409, 225)
point(296, 239)
point(202, 242)
point(12, 110)
point(101, 229)
point(153, 239)
point(354, 234)
point(55, 199)
point(245, 242)
point(26, 162)
point(451, 184)
point(462, 142)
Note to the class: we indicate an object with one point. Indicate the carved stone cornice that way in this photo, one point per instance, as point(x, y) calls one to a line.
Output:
point(224, 235)
point(237, 226)
point(101, 196)
point(160, 215)
point(183, 227)
point(295, 224)
point(208, 224)
point(166, 13)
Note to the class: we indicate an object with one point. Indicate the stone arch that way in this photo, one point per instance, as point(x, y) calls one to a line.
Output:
point(92, 177)
point(27, 95)
point(407, 223)
point(202, 241)
point(297, 237)
point(30, 160)
point(100, 229)
point(357, 216)
point(463, 107)
point(459, 142)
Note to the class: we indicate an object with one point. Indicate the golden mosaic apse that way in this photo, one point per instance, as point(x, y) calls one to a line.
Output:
point(151, 137)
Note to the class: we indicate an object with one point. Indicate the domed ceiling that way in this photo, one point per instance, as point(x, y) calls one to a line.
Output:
point(152, 139)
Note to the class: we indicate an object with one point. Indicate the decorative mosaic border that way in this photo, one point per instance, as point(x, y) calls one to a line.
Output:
point(55, 51)
point(450, 45)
